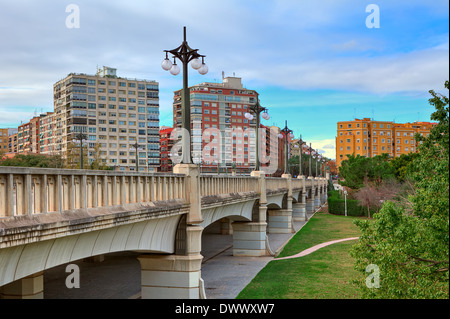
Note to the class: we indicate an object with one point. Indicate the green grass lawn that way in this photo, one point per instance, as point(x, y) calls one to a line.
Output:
point(325, 273)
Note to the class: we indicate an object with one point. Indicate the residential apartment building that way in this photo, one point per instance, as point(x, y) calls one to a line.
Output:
point(166, 144)
point(220, 107)
point(369, 138)
point(111, 111)
point(13, 143)
point(47, 139)
point(28, 137)
point(4, 141)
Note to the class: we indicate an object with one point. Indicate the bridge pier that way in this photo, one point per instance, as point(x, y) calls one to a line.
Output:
point(299, 210)
point(310, 203)
point(175, 276)
point(249, 239)
point(31, 287)
point(280, 221)
point(171, 277)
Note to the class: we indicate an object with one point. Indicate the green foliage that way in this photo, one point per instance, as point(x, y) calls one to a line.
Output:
point(336, 205)
point(34, 160)
point(400, 165)
point(356, 170)
point(410, 242)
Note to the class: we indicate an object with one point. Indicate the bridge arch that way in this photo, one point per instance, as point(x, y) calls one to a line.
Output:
point(151, 236)
point(239, 211)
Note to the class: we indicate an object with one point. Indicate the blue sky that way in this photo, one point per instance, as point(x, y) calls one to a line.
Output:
point(313, 62)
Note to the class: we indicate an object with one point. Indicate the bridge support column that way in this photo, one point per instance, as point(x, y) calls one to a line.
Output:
point(299, 211)
point(317, 196)
point(171, 277)
point(225, 226)
point(249, 239)
point(280, 221)
point(310, 203)
point(31, 287)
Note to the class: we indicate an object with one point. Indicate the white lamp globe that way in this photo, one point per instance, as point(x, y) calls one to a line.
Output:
point(248, 116)
point(175, 69)
point(196, 64)
point(265, 116)
point(280, 135)
point(166, 64)
point(203, 69)
point(296, 146)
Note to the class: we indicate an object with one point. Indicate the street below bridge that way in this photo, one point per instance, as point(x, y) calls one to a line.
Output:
point(118, 276)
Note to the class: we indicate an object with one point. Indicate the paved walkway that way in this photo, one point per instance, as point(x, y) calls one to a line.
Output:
point(314, 248)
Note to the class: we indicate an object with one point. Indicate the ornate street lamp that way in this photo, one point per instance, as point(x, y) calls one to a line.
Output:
point(300, 146)
point(136, 147)
point(80, 138)
point(185, 54)
point(287, 132)
point(257, 109)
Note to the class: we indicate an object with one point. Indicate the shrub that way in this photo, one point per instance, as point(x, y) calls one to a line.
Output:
point(336, 205)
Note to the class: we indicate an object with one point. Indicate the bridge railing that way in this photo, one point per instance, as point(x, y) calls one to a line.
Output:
point(32, 191)
point(274, 183)
point(213, 185)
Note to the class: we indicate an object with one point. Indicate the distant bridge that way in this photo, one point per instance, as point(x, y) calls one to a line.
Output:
point(49, 217)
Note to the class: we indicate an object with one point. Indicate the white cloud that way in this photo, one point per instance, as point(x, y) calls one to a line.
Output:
point(325, 145)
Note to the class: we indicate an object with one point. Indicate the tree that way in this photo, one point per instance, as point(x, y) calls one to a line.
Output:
point(400, 165)
point(34, 160)
point(410, 242)
point(357, 169)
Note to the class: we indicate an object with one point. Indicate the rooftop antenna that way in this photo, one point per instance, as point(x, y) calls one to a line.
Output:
point(373, 115)
point(223, 75)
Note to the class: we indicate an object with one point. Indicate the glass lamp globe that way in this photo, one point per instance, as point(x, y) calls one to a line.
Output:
point(280, 135)
point(203, 69)
point(196, 64)
point(265, 116)
point(166, 64)
point(175, 69)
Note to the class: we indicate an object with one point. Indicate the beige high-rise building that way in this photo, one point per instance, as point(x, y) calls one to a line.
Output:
point(113, 112)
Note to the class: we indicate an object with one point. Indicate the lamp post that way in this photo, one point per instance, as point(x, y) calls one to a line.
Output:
point(257, 109)
point(286, 132)
point(310, 159)
point(300, 153)
point(345, 194)
point(80, 138)
point(135, 147)
point(185, 54)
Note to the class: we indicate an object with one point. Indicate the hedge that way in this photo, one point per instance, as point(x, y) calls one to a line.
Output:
point(336, 205)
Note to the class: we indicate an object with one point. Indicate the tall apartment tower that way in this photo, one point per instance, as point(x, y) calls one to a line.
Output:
point(220, 106)
point(114, 112)
point(369, 138)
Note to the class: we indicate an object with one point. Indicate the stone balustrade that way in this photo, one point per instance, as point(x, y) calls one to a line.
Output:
point(33, 191)
point(213, 185)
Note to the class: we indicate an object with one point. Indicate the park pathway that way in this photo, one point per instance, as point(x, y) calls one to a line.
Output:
point(314, 248)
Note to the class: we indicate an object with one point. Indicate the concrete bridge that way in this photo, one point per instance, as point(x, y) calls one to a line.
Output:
point(50, 217)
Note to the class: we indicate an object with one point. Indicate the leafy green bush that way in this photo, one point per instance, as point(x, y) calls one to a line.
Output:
point(336, 205)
